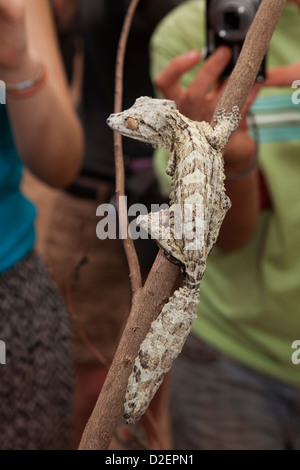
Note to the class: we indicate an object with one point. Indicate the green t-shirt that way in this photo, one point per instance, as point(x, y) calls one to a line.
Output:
point(250, 300)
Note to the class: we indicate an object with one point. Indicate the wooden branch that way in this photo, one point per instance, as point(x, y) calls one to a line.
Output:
point(132, 258)
point(109, 408)
point(149, 301)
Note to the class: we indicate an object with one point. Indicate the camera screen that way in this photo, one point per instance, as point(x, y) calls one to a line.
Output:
point(231, 21)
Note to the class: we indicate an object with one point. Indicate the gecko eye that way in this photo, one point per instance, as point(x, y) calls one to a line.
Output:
point(132, 124)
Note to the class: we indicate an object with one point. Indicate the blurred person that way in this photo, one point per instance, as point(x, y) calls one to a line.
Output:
point(92, 273)
point(235, 385)
point(39, 129)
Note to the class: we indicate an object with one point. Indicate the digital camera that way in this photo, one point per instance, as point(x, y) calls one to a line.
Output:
point(227, 23)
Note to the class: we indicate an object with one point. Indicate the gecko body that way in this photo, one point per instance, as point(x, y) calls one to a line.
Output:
point(186, 232)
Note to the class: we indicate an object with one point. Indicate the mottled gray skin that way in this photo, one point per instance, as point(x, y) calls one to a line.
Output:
point(196, 168)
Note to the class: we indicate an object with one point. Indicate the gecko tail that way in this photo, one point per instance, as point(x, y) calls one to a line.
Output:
point(161, 346)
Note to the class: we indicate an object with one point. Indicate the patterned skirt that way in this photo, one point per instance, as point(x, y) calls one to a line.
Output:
point(36, 382)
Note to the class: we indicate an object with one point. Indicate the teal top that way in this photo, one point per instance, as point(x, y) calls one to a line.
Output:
point(250, 300)
point(17, 214)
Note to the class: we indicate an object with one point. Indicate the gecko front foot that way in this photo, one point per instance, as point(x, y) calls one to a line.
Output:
point(226, 123)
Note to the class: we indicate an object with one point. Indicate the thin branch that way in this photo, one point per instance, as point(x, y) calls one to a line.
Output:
point(132, 258)
point(149, 300)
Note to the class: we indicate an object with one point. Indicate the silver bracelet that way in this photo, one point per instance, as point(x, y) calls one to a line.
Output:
point(27, 84)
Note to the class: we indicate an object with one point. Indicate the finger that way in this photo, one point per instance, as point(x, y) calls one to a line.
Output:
point(215, 96)
point(168, 79)
point(210, 102)
point(198, 94)
point(210, 73)
point(283, 76)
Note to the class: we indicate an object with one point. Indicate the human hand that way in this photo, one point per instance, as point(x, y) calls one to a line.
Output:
point(199, 100)
point(283, 76)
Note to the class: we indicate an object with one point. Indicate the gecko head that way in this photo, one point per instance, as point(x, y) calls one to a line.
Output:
point(148, 120)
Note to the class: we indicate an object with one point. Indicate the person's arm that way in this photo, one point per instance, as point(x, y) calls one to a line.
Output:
point(46, 129)
point(198, 102)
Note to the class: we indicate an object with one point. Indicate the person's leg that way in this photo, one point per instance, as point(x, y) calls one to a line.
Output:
point(37, 380)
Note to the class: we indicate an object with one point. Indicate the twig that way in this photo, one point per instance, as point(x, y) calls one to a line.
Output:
point(148, 302)
point(132, 258)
